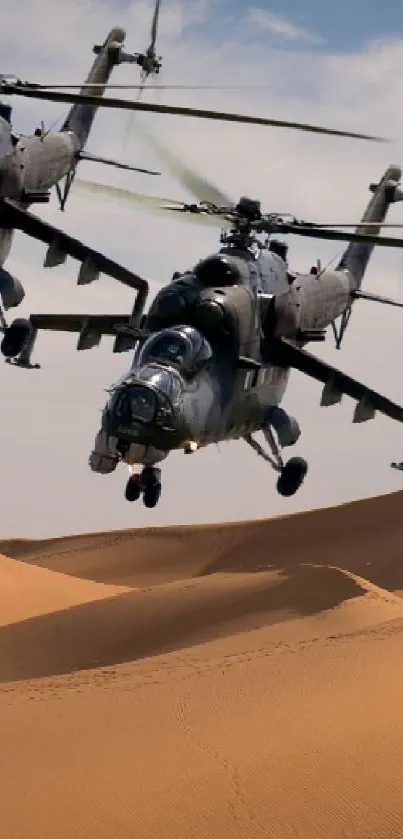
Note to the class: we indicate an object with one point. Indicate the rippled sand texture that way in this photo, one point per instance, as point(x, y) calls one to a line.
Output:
point(237, 681)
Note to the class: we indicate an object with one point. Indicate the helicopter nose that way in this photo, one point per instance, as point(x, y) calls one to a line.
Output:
point(138, 414)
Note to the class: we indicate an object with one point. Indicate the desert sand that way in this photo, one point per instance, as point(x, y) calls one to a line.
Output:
point(217, 682)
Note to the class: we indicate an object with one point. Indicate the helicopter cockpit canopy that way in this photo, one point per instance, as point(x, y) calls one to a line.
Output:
point(182, 347)
point(220, 270)
point(142, 395)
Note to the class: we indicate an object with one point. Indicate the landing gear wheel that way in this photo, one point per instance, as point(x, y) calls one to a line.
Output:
point(150, 485)
point(15, 337)
point(150, 476)
point(133, 490)
point(152, 495)
point(291, 476)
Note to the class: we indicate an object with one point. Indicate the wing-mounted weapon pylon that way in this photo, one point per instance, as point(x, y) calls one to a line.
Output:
point(19, 338)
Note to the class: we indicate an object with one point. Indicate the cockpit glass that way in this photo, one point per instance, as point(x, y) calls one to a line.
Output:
point(168, 347)
point(183, 348)
point(136, 403)
point(165, 381)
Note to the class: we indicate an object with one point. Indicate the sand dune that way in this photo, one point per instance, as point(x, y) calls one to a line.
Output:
point(361, 532)
point(232, 681)
point(27, 592)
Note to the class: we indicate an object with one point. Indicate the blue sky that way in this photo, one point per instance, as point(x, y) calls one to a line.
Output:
point(342, 26)
point(309, 25)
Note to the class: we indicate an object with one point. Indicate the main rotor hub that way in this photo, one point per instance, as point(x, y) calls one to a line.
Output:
point(249, 208)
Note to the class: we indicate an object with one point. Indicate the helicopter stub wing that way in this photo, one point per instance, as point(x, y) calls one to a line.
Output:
point(62, 245)
point(91, 328)
point(20, 338)
point(284, 353)
point(105, 324)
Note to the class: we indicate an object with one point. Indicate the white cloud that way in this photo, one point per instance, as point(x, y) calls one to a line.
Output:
point(282, 26)
point(49, 417)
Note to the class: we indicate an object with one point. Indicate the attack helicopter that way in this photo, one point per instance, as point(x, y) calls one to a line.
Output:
point(30, 165)
point(214, 352)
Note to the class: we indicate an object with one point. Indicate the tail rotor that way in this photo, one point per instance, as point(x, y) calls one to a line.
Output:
point(145, 73)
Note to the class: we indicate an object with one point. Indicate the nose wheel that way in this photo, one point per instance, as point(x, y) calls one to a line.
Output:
point(147, 484)
point(133, 489)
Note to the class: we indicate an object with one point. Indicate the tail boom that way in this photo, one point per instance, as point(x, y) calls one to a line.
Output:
point(80, 118)
point(356, 257)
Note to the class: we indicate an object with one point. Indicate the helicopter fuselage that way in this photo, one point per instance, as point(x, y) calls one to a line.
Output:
point(35, 165)
point(225, 397)
point(30, 165)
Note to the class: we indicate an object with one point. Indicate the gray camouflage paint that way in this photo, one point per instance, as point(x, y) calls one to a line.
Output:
point(221, 402)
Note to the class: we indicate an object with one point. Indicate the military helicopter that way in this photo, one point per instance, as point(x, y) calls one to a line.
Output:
point(213, 353)
point(30, 165)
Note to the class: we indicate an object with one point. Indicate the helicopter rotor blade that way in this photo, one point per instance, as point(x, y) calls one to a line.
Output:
point(217, 216)
point(154, 25)
point(151, 201)
point(88, 157)
point(126, 104)
point(97, 85)
point(336, 235)
point(358, 224)
point(196, 184)
point(147, 202)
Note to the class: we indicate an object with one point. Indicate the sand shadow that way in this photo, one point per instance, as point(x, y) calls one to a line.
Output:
point(146, 623)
